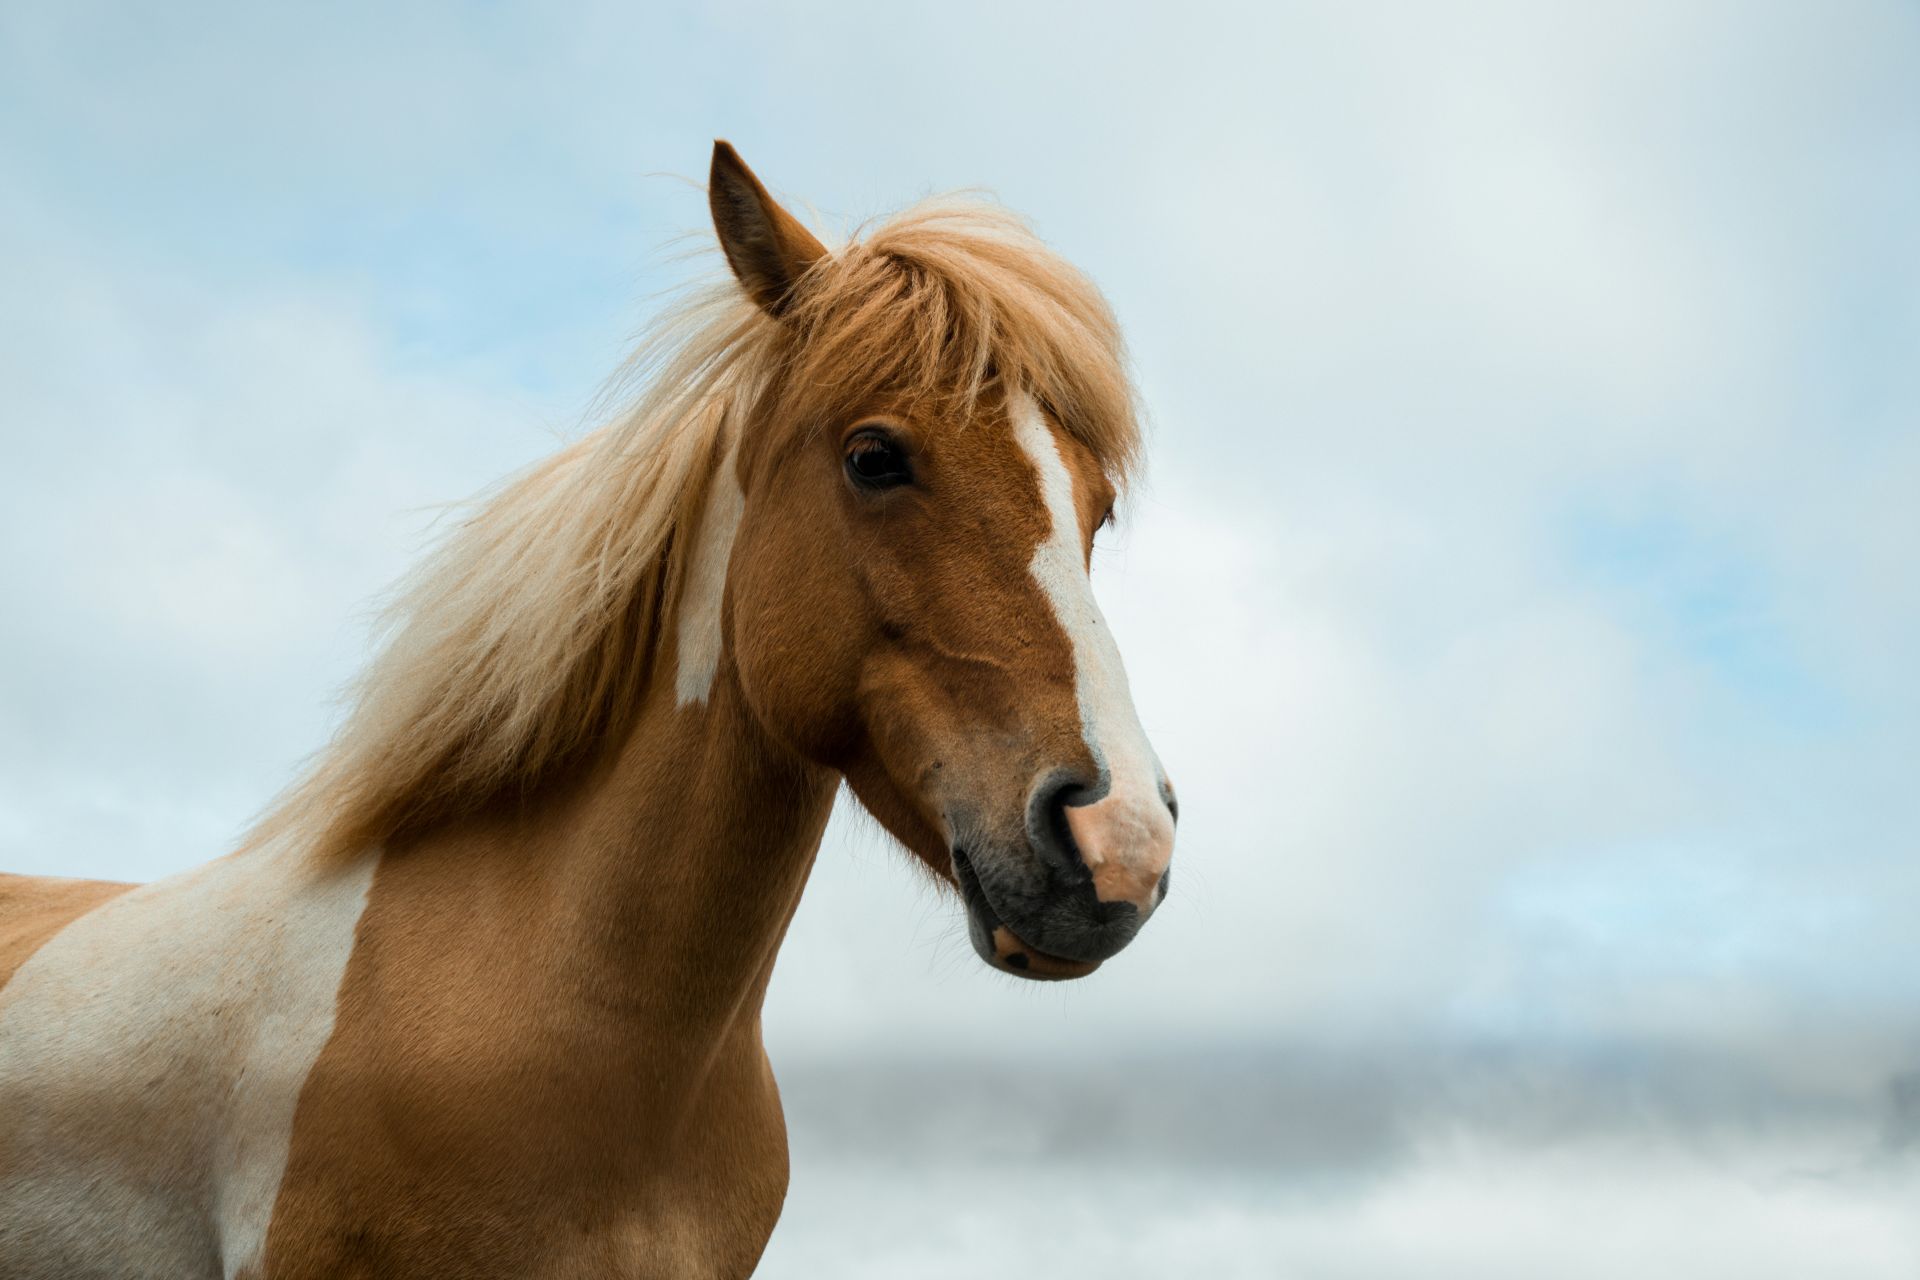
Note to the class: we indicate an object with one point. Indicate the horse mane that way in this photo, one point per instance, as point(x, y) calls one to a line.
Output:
point(534, 626)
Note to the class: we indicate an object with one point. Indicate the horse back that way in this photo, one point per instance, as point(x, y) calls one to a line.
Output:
point(34, 908)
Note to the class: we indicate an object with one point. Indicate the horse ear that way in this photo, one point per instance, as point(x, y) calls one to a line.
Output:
point(765, 245)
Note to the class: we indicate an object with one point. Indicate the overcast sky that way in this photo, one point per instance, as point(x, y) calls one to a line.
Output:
point(1522, 594)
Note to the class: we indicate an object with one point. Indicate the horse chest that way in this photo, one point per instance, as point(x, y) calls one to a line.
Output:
point(521, 1163)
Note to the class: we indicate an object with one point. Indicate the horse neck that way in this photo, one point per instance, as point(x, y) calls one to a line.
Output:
point(689, 857)
point(655, 887)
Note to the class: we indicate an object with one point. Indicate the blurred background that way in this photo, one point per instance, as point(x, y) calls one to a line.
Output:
point(1523, 591)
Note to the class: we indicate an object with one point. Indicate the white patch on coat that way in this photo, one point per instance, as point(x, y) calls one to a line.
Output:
point(699, 635)
point(151, 1056)
point(1132, 808)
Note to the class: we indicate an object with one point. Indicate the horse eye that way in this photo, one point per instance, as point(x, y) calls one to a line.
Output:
point(876, 461)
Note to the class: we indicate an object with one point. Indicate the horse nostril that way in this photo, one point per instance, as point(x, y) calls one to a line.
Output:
point(1047, 826)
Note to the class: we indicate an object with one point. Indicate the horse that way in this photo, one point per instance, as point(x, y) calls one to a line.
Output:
point(479, 994)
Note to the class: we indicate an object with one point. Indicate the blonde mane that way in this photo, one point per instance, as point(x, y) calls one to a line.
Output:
point(524, 638)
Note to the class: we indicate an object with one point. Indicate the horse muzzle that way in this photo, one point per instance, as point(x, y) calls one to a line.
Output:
point(1095, 869)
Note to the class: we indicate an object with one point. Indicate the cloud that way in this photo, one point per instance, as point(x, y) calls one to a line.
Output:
point(1419, 1164)
point(204, 488)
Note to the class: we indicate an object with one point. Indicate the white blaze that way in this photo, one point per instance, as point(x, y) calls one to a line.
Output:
point(1108, 721)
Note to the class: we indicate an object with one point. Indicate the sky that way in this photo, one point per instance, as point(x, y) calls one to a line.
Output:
point(1521, 592)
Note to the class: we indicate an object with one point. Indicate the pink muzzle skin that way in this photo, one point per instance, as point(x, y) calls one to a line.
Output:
point(1126, 841)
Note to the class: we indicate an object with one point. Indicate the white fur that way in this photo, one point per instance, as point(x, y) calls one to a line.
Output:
point(151, 1054)
point(698, 640)
point(1107, 718)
